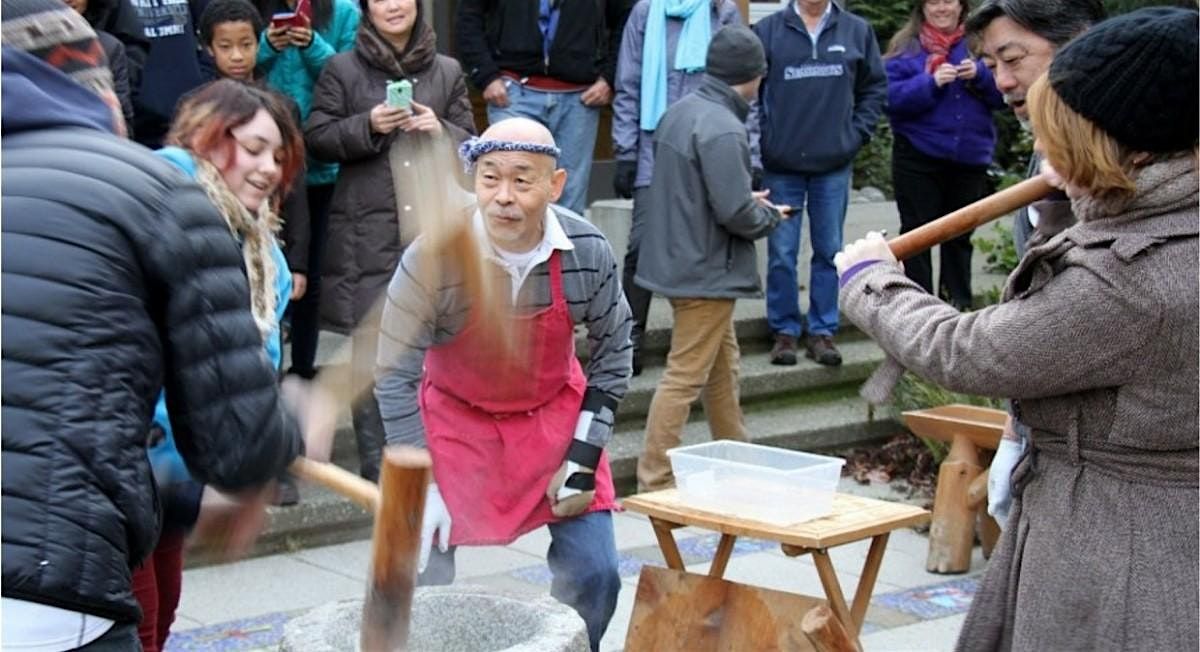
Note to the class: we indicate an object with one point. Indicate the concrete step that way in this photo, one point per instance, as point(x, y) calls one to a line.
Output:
point(827, 420)
point(760, 381)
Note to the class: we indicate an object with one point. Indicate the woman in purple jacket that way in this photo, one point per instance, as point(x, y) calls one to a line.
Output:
point(939, 103)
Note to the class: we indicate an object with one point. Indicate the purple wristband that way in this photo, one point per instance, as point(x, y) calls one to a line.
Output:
point(854, 269)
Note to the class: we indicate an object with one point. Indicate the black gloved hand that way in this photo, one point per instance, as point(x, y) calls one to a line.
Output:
point(756, 179)
point(625, 178)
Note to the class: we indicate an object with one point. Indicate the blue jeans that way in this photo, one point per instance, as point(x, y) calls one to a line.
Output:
point(583, 561)
point(827, 195)
point(573, 125)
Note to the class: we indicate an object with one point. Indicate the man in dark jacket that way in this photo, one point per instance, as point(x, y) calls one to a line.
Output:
point(119, 278)
point(698, 251)
point(819, 104)
point(549, 60)
point(174, 65)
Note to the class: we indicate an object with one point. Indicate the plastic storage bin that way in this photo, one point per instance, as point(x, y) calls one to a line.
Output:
point(761, 483)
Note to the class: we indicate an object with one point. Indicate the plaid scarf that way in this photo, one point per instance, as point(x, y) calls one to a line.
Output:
point(938, 43)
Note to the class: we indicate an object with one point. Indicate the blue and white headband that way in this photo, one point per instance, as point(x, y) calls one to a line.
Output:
point(472, 148)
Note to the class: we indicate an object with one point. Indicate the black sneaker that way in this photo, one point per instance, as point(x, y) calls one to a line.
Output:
point(821, 349)
point(286, 492)
point(784, 350)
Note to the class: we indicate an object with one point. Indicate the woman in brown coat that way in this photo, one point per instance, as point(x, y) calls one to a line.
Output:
point(1096, 342)
point(351, 124)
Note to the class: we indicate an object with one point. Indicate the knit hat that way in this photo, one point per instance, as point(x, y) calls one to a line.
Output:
point(1135, 77)
point(56, 34)
point(735, 55)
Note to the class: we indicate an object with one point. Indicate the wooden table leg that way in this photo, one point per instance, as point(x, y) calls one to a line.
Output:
point(666, 542)
point(952, 530)
point(833, 589)
point(866, 582)
point(721, 559)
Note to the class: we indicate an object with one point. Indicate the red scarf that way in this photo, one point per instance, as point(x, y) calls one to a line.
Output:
point(938, 43)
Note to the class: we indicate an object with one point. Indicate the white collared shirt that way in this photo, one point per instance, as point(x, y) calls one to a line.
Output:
point(518, 265)
point(815, 34)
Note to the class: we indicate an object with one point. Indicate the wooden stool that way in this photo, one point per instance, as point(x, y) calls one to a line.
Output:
point(961, 497)
point(854, 518)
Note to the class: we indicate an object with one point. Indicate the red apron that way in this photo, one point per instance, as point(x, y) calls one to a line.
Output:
point(499, 432)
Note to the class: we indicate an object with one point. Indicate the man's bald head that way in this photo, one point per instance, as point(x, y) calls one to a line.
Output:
point(511, 134)
point(519, 130)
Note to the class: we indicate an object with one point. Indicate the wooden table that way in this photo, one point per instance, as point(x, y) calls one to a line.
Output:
point(853, 519)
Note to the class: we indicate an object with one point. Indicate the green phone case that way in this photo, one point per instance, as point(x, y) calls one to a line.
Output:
point(399, 94)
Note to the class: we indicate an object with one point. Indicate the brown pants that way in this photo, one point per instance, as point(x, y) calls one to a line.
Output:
point(703, 363)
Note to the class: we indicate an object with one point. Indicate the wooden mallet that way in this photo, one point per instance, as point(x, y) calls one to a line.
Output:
point(969, 217)
point(398, 505)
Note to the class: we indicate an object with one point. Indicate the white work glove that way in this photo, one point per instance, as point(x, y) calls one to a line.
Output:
point(436, 519)
point(872, 246)
point(1008, 453)
point(573, 487)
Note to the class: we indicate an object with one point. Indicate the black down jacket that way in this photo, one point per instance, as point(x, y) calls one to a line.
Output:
point(119, 279)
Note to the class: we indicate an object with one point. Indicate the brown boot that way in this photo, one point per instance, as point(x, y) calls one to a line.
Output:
point(821, 349)
point(784, 351)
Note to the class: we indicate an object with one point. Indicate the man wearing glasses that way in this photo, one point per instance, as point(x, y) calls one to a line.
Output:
point(1018, 39)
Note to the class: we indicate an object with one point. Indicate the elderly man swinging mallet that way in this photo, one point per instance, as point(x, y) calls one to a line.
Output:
point(515, 425)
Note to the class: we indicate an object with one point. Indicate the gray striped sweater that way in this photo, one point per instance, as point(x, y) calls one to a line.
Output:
point(416, 317)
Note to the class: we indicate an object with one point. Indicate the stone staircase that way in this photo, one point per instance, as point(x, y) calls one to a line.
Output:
point(806, 407)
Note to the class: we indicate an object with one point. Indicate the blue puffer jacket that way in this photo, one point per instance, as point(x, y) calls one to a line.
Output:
point(181, 494)
point(953, 122)
point(294, 72)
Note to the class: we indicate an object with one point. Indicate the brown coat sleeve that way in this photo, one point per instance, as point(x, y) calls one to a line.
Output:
point(1078, 331)
point(333, 132)
point(459, 119)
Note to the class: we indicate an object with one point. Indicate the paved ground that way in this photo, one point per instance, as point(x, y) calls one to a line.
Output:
point(243, 606)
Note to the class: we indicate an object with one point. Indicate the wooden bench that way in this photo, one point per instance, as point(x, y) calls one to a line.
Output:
point(854, 518)
point(960, 501)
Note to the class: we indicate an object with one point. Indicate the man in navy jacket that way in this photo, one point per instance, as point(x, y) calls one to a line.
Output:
point(824, 91)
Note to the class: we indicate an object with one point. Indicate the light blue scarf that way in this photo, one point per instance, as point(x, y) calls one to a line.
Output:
point(690, 52)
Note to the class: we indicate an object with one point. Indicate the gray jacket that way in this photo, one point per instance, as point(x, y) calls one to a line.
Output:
point(700, 242)
point(630, 142)
point(417, 317)
point(1096, 340)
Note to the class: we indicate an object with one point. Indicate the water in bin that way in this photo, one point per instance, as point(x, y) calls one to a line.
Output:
point(764, 483)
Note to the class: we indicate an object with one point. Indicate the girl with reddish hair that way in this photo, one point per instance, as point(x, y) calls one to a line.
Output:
point(242, 146)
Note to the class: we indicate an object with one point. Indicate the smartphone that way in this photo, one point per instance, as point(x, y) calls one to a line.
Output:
point(399, 94)
point(293, 18)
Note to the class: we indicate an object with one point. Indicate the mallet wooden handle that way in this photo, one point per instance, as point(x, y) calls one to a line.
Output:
point(361, 491)
point(395, 549)
point(969, 217)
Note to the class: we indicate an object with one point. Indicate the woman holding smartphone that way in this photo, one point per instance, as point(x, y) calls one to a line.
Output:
point(351, 123)
point(292, 52)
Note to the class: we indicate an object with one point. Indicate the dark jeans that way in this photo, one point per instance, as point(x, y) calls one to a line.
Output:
point(121, 637)
point(583, 561)
point(637, 296)
point(926, 189)
point(306, 311)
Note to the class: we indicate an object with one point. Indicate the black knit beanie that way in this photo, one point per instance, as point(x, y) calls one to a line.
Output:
point(56, 34)
point(1135, 76)
point(735, 55)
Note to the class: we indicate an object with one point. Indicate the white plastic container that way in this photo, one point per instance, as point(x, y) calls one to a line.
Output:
point(761, 483)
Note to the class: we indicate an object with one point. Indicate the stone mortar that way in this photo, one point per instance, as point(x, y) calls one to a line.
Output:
point(450, 619)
